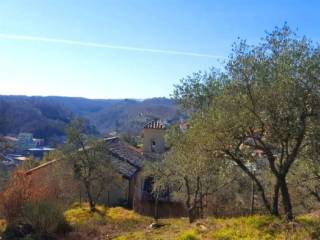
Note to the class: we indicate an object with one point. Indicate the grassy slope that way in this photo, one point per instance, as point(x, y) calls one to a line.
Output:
point(121, 224)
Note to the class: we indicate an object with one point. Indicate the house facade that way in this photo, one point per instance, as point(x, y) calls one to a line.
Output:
point(135, 188)
point(130, 161)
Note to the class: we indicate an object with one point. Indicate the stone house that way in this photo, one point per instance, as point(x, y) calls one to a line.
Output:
point(130, 161)
point(134, 191)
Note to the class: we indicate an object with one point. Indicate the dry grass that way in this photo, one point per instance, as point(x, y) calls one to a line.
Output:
point(2, 225)
point(122, 224)
point(80, 215)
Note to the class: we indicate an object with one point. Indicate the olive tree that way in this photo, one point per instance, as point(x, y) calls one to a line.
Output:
point(91, 164)
point(190, 172)
point(267, 108)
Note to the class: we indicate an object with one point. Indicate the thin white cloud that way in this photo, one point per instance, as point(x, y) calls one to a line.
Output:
point(102, 45)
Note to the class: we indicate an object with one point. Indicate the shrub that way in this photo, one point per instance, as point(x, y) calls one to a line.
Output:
point(3, 225)
point(27, 210)
point(189, 235)
point(21, 190)
point(14, 197)
point(18, 231)
point(45, 217)
point(63, 227)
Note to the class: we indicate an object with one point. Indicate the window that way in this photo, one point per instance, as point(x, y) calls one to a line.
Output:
point(148, 183)
point(148, 188)
point(153, 146)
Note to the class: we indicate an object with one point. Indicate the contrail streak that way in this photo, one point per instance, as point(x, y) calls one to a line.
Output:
point(102, 45)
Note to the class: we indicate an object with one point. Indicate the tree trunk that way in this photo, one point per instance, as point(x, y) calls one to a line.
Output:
point(275, 203)
point(80, 197)
point(196, 200)
point(90, 198)
point(188, 201)
point(201, 215)
point(260, 187)
point(156, 207)
point(286, 201)
point(191, 215)
point(252, 198)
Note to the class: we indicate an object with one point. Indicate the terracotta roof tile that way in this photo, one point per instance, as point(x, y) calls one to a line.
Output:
point(155, 124)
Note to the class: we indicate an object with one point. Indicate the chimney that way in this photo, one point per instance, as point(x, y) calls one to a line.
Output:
point(153, 137)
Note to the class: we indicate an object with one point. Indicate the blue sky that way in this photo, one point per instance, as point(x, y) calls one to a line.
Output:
point(101, 47)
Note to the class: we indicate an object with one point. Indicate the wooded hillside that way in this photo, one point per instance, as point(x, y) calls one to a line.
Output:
point(47, 117)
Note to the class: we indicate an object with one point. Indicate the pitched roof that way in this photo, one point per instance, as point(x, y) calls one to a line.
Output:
point(124, 168)
point(8, 138)
point(40, 167)
point(125, 158)
point(155, 124)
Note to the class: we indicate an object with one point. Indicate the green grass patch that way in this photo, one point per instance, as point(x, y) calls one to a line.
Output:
point(265, 228)
point(189, 235)
point(123, 224)
point(81, 214)
point(132, 236)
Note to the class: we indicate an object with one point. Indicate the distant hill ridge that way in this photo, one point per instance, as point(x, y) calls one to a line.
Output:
point(47, 117)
